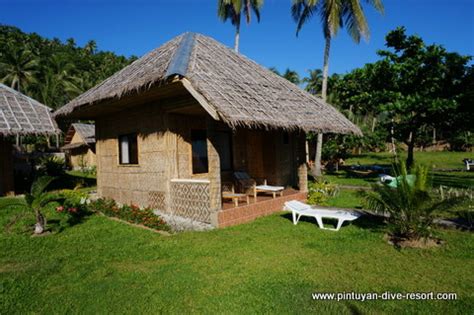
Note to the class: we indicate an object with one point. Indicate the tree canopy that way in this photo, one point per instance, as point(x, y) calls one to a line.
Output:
point(51, 71)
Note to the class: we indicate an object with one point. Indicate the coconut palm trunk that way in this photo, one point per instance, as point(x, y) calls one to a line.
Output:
point(319, 144)
point(335, 15)
point(237, 36)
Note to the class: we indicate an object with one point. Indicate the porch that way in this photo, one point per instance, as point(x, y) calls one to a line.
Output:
point(264, 205)
point(218, 154)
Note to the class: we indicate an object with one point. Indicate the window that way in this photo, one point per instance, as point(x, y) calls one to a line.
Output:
point(224, 145)
point(199, 148)
point(128, 149)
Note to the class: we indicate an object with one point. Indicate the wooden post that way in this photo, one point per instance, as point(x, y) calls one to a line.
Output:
point(302, 169)
point(7, 184)
point(214, 166)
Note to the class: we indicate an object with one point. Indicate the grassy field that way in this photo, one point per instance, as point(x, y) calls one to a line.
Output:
point(435, 160)
point(347, 198)
point(268, 266)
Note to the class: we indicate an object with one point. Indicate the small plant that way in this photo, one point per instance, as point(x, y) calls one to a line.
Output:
point(320, 192)
point(130, 213)
point(410, 205)
point(38, 199)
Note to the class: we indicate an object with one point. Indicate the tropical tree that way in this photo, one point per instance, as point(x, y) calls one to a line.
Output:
point(292, 76)
point(233, 9)
point(314, 81)
point(18, 67)
point(91, 47)
point(37, 200)
point(335, 14)
point(421, 87)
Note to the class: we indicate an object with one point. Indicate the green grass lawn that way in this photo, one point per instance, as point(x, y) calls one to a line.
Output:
point(436, 160)
point(78, 173)
point(268, 266)
point(439, 160)
point(346, 198)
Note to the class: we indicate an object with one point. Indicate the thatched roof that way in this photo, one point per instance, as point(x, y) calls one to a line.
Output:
point(22, 115)
point(239, 91)
point(85, 131)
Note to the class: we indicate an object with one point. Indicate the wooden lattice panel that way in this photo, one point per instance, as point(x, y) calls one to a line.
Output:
point(156, 200)
point(191, 200)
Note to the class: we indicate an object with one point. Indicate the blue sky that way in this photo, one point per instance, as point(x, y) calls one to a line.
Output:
point(135, 27)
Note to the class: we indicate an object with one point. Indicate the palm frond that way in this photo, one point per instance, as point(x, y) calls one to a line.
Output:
point(331, 14)
point(47, 198)
point(377, 4)
point(8, 203)
point(40, 185)
point(355, 21)
point(256, 5)
point(302, 11)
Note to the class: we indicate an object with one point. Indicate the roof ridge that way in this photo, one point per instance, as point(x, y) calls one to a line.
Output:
point(180, 61)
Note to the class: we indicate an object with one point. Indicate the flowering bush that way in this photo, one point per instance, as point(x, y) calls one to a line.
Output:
point(130, 213)
point(74, 206)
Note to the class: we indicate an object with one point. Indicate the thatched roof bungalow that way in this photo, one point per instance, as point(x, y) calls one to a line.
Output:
point(79, 146)
point(174, 125)
point(19, 115)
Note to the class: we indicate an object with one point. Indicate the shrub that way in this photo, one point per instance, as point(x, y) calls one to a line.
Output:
point(51, 166)
point(130, 213)
point(410, 205)
point(320, 192)
point(74, 207)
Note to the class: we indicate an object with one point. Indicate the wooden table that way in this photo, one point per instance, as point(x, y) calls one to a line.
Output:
point(235, 197)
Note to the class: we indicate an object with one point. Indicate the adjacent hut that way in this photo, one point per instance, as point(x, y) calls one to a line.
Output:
point(19, 115)
point(79, 146)
point(176, 124)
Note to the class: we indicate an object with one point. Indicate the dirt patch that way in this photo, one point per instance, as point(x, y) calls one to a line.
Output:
point(12, 267)
point(423, 242)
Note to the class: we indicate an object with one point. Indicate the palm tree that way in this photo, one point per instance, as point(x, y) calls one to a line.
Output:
point(314, 81)
point(274, 70)
point(292, 76)
point(18, 67)
point(233, 9)
point(37, 200)
point(335, 14)
point(91, 47)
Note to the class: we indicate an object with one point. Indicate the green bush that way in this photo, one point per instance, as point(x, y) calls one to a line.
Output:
point(73, 208)
point(130, 213)
point(51, 166)
point(462, 142)
point(320, 192)
point(410, 205)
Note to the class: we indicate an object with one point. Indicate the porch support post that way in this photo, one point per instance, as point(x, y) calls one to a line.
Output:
point(301, 163)
point(214, 170)
point(6, 168)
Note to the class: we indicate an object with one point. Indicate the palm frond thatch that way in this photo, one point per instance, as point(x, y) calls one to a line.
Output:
point(242, 92)
point(22, 115)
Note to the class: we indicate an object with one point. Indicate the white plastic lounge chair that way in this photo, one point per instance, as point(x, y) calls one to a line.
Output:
point(300, 209)
point(244, 179)
point(469, 163)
